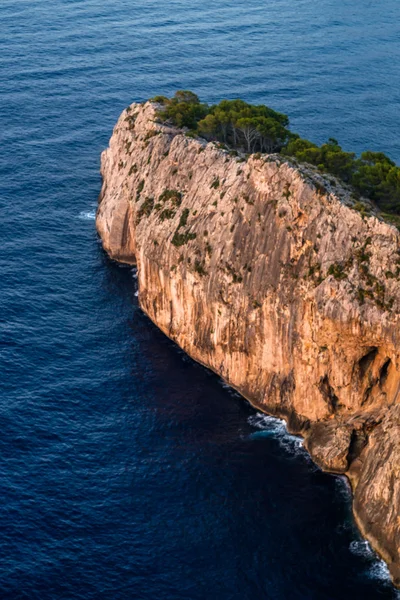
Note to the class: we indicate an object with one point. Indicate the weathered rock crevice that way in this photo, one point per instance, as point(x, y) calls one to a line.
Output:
point(329, 395)
point(284, 290)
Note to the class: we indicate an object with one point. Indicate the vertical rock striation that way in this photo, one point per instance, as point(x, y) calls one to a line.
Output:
point(261, 270)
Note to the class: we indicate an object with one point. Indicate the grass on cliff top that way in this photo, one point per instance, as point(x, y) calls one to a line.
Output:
point(258, 128)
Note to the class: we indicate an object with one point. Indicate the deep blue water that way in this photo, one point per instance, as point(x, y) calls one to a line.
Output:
point(126, 470)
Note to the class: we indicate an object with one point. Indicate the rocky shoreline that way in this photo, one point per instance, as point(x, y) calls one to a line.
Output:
point(264, 271)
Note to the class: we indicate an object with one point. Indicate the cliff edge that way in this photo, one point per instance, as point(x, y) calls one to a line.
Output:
point(262, 270)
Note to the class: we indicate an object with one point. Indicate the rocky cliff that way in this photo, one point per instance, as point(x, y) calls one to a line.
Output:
point(278, 280)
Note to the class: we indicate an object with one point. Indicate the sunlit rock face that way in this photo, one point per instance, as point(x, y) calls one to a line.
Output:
point(261, 270)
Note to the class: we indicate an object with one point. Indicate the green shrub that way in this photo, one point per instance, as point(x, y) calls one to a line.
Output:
point(184, 218)
point(133, 169)
point(180, 239)
point(146, 208)
point(337, 270)
point(171, 195)
point(159, 99)
point(199, 268)
point(167, 213)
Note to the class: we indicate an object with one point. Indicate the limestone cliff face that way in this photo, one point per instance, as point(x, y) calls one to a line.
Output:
point(263, 271)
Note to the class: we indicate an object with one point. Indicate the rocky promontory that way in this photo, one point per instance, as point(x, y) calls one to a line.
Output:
point(264, 271)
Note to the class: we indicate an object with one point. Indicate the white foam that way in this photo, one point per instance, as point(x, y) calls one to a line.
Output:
point(276, 428)
point(88, 215)
point(265, 422)
point(378, 569)
point(343, 487)
point(134, 273)
point(361, 548)
point(137, 293)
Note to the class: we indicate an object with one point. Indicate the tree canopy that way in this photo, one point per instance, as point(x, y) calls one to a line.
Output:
point(258, 128)
point(184, 109)
point(233, 122)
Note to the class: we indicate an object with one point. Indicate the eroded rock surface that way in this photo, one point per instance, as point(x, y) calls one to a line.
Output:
point(262, 271)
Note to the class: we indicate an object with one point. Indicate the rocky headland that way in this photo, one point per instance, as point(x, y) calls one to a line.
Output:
point(264, 271)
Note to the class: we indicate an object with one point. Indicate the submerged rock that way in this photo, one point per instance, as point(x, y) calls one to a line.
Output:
point(261, 270)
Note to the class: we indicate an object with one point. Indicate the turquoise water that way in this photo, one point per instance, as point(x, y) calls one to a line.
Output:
point(127, 471)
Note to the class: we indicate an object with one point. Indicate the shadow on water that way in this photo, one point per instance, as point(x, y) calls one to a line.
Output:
point(236, 494)
point(126, 469)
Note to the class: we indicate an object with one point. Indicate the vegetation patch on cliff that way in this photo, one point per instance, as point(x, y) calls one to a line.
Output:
point(168, 203)
point(257, 128)
point(145, 209)
point(180, 239)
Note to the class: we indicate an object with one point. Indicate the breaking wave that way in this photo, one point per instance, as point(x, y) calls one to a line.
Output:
point(362, 548)
point(377, 568)
point(273, 427)
point(88, 215)
point(343, 487)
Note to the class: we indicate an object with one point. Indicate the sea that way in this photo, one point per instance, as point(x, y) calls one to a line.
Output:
point(127, 471)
